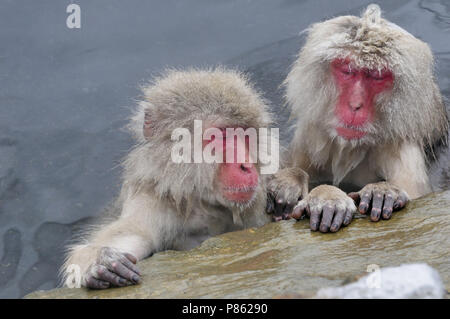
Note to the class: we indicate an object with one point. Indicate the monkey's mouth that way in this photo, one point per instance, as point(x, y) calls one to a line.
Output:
point(350, 132)
point(240, 194)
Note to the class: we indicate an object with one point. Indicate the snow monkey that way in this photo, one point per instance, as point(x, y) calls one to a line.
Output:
point(164, 204)
point(368, 115)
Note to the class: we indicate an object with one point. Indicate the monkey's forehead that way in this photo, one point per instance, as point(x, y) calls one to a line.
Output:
point(205, 95)
point(374, 45)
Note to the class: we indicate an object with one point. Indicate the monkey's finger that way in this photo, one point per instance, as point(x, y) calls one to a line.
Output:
point(377, 204)
point(95, 283)
point(337, 220)
point(276, 208)
point(401, 201)
point(365, 201)
point(124, 272)
point(103, 273)
point(388, 206)
point(279, 207)
point(270, 206)
point(276, 218)
point(288, 210)
point(131, 258)
point(131, 266)
point(348, 217)
point(327, 218)
point(315, 218)
point(308, 211)
point(299, 210)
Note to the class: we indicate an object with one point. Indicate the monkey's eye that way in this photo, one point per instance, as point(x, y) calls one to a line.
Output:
point(346, 71)
point(378, 75)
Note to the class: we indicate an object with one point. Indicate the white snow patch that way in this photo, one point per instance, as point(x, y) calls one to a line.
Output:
point(409, 281)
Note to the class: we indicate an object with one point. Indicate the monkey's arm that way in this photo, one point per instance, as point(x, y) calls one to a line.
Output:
point(405, 175)
point(109, 256)
point(407, 171)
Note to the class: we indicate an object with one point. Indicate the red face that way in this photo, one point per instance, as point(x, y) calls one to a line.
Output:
point(358, 89)
point(238, 181)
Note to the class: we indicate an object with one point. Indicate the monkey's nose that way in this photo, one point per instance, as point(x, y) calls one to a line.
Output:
point(355, 106)
point(246, 167)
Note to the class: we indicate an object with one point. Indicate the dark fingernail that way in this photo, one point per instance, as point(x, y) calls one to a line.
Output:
point(135, 279)
point(387, 213)
point(363, 208)
point(122, 281)
point(324, 229)
point(314, 226)
point(375, 217)
point(398, 204)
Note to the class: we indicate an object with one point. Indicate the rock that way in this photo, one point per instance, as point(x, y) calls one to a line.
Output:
point(416, 281)
point(286, 258)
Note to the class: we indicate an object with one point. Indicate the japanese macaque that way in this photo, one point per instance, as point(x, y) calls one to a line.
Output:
point(166, 204)
point(368, 114)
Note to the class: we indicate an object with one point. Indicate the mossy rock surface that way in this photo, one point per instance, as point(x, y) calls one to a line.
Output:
point(287, 258)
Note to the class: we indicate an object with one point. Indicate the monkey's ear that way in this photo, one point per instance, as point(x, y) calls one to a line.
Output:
point(147, 125)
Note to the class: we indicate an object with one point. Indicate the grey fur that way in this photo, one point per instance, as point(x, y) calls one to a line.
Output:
point(413, 112)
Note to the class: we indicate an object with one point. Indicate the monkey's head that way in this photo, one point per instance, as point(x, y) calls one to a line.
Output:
point(364, 81)
point(186, 115)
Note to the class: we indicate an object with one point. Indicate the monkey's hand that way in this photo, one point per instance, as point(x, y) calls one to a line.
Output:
point(112, 268)
point(285, 189)
point(381, 199)
point(327, 207)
